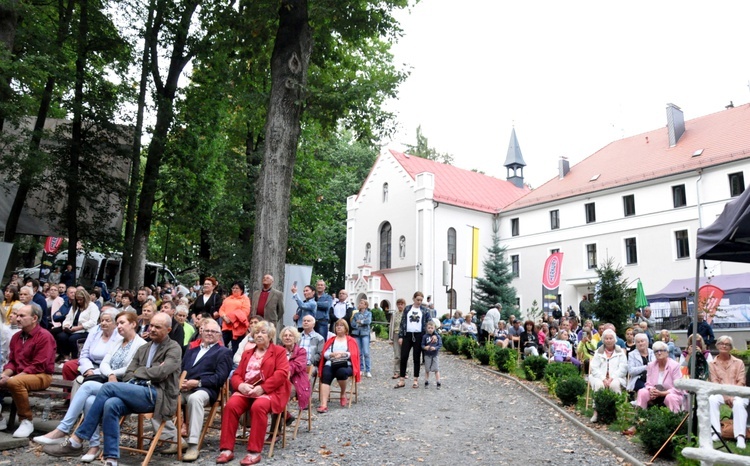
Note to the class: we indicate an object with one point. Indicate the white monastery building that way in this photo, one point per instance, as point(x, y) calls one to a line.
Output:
point(638, 201)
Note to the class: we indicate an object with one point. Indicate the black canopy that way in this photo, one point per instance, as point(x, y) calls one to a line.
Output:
point(728, 238)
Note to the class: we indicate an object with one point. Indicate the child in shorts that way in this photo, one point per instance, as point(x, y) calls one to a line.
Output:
point(431, 343)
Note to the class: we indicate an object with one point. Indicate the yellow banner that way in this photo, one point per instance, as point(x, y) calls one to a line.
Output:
point(475, 252)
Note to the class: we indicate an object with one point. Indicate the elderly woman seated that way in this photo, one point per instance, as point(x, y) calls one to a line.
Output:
point(469, 329)
point(660, 378)
point(638, 361)
point(609, 366)
point(261, 386)
point(728, 370)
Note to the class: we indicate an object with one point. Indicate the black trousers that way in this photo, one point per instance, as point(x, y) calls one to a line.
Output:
point(411, 342)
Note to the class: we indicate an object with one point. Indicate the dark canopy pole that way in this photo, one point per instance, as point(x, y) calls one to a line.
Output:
point(694, 316)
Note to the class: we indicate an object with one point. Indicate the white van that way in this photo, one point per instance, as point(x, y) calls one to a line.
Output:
point(93, 266)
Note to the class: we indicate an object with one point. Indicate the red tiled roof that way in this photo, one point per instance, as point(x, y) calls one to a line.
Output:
point(723, 137)
point(463, 188)
point(385, 285)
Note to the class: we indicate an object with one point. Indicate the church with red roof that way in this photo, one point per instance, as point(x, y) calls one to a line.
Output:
point(418, 224)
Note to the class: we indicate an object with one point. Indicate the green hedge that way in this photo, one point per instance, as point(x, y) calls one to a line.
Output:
point(378, 315)
point(450, 343)
point(534, 366)
point(466, 346)
point(504, 359)
point(655, 426)
point(569, 389)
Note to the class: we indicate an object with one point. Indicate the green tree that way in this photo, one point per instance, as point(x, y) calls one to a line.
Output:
point(612, 301)
point(422, 149)
point(495, 287)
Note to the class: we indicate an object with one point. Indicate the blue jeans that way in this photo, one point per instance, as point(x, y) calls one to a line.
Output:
point(364, 351)
point(114, 400)
point(321, 326)
point(81, 403)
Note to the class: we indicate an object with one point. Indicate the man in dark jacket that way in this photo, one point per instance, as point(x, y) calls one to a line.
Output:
point(206, 369)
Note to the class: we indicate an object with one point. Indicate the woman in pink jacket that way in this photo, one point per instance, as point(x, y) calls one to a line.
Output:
point(661, 375)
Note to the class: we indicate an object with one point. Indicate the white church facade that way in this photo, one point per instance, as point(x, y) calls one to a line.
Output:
point(410, 217)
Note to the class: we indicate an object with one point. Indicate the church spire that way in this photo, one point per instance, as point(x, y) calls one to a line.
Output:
point(514, 161)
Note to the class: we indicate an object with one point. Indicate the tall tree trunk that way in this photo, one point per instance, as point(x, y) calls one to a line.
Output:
point(8, 24)
point(253, 159)
point(289, 63)
point(165, 94)
point(135, 167)
point(76, 141)
point(31, 168)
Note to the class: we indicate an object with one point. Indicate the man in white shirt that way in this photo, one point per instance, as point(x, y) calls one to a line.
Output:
point(311, 341)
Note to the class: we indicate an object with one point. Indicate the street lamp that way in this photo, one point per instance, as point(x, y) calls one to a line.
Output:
point(166, 246)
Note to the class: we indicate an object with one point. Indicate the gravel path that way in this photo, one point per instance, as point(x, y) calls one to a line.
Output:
point(478, 417)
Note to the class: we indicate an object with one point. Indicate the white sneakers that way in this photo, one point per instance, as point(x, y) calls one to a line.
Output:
point(42, 440)
point(24, 430)
point(3, 423)
point(741, 442)
point(369, 375)
point(595, 417)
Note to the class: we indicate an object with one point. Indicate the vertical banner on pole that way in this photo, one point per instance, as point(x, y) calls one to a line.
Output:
point(551, 280)
point(51, 247)
point(474, 252)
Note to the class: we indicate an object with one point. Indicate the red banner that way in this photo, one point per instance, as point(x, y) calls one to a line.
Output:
point(551, 280)
point(53, 244)
point(709, 298)
point(552, 271)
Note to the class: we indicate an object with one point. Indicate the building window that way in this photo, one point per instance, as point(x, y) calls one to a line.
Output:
point(590, 212)
point(515, 266)
point(385, 192)
point(452, 246)
point(736, 184)
point(451, 299)
point(514, 227)
point(591, 256)
point(683, 245)
point(678, 196)
point(631, 252)
point(628, 205)
point(554, 219)
point(385, 246)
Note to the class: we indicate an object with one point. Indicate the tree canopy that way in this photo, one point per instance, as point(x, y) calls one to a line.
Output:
point(205, 72)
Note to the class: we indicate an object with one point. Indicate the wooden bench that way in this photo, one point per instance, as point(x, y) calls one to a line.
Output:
point(59, 390)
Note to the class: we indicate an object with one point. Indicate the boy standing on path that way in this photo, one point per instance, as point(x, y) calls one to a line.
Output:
point(431, 343)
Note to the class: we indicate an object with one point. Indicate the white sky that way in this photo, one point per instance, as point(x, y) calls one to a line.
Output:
point(571, 76)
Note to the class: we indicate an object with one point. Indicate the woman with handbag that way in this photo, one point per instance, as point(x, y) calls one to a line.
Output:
point(112, 368)
point(340, 361)
point(261, 386)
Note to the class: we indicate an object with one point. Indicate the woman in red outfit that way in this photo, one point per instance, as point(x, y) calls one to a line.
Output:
point(261, 385)
point(234, 313)
point(341, 347)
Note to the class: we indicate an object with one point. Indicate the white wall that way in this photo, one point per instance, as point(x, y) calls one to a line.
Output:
point(653, 225)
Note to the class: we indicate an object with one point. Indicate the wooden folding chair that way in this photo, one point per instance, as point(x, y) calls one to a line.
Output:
point(156, 438)
point(279, 423)
point(352, 390)
point(309, 406)
point(218, 405)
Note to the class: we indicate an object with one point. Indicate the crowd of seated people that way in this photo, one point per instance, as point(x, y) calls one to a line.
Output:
point(112, 331)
